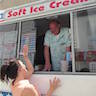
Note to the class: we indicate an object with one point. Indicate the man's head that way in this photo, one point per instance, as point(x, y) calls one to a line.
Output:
point(12, 70)
point(54, 26)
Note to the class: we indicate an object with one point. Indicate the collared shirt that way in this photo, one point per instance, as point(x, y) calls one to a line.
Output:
point(57, 45)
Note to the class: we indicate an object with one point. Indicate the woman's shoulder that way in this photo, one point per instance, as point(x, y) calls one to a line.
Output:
point(29, 91)
point(22, 83)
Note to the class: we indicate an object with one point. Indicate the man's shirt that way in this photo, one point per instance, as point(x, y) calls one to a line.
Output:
point(57, 45)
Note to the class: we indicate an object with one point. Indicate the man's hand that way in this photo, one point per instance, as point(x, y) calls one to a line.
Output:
point(25, 51)
point(47, 67)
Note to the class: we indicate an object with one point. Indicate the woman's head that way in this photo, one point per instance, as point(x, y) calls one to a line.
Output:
point(13, 69)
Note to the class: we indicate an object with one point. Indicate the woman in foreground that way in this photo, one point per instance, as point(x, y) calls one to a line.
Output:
point(20, 75)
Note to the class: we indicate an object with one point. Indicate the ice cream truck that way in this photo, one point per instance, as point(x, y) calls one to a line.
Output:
point(30, 23)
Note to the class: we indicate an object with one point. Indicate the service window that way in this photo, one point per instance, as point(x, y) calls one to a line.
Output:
point(8, 42)
point(85, 40)
point(49, 41)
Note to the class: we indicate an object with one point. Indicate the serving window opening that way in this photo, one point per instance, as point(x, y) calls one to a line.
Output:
point(49, 41)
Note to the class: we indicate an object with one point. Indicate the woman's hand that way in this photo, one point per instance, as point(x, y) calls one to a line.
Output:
point(54, 84)
point(25, 50)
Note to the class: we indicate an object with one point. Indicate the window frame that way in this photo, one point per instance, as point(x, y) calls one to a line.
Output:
point(87, 8)
point(17, 29)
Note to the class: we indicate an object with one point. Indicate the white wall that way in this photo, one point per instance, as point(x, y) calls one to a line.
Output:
point(71, 85)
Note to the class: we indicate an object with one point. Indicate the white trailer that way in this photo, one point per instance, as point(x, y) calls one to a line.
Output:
point(27, 24)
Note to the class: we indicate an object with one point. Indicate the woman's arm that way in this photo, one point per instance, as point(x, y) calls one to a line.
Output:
point(28, 62)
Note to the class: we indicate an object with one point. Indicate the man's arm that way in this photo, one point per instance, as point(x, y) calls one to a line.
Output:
point(28, 62)
point(47, 58)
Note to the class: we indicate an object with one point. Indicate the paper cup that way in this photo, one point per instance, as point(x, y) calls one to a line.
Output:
point(64, 66)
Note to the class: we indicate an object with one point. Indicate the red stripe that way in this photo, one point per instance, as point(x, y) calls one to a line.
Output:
point(2, 20)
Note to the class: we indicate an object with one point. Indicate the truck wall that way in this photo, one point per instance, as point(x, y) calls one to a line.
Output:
point(71, 85)
point(12, 3)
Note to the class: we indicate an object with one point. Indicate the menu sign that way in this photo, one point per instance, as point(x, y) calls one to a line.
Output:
point(30, 40)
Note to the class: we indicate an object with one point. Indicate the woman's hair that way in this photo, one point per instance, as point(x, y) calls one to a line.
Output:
point(9, 71)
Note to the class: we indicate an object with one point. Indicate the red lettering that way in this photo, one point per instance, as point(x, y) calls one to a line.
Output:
point(41, 8)
point(36, 9)
point(20, 11)
point(66, 2)
point(52, 5)
point(15, 13)
point(10, 13)
point(83, 0)
point(31, 9)
point(24, 11)
point(74, 1)
point(58, 4)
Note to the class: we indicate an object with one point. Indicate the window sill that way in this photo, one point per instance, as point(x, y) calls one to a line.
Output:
point(63, 73)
